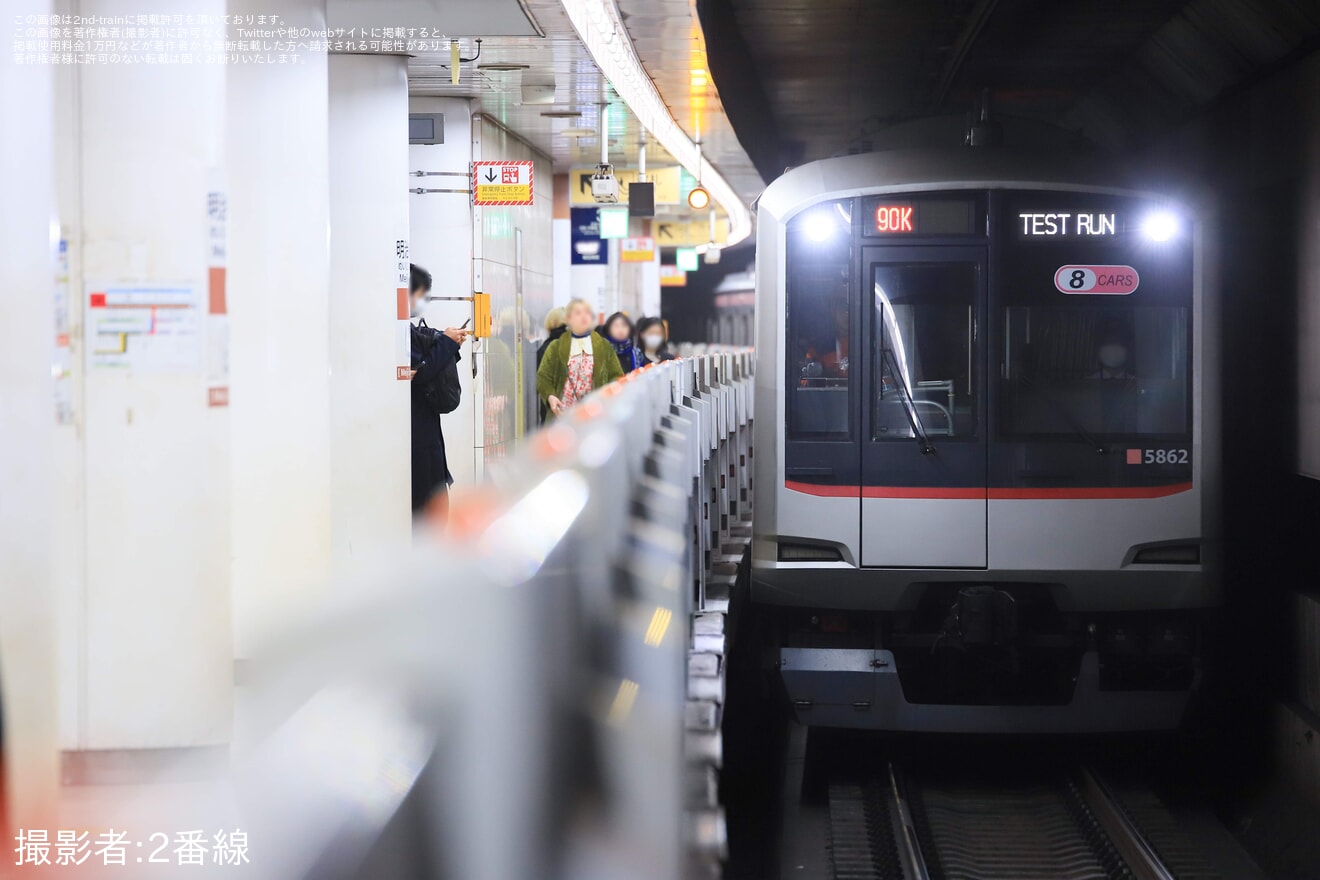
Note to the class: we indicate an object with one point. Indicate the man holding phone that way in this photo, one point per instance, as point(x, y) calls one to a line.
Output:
point(434, 391)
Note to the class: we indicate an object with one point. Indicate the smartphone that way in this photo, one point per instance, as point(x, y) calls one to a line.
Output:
point(465, 323)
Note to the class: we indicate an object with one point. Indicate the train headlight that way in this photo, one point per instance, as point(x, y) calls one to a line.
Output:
point(1168, 554)
point(808, 553)
point(1160, 225)
point(819, 226)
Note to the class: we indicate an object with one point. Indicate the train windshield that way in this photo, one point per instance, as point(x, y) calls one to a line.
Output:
point(1095, 371)
point(1095, 319)
point(922, 364)
point(1003, 349)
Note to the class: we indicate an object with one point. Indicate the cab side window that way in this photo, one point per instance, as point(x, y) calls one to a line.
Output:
point(819, 358)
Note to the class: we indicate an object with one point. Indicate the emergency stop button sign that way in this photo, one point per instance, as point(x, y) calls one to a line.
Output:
point(1116, 280)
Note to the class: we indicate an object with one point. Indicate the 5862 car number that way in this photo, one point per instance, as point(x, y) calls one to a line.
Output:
point(1158, 456)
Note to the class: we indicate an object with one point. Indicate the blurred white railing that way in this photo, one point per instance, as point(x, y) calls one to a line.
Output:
point(538, 694)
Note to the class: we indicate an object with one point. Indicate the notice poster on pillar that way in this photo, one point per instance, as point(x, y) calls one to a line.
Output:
point(217, 311)
point(502, 182)
point(403, 326)
point(143, 328)
point(637, 250)
point(62, 367)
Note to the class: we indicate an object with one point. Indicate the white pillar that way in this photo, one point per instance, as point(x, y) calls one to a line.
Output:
point(370, 414)
point(27, 641)
point(155, 667)
point(279, 312)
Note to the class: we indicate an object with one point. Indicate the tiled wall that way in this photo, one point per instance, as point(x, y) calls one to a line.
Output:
point(441, 241)
point(516, 270)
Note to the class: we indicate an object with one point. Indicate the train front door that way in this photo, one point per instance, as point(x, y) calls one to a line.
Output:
point(923, 400)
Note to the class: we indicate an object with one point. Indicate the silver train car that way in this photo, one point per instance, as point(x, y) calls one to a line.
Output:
point(986, 455)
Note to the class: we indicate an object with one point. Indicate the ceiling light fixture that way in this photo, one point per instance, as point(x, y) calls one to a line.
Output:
point(501, 66)
point(597, 23)
point(561, 114)
point(575, 132)
point(698, 197)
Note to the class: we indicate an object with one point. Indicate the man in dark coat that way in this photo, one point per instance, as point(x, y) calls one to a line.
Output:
point(432, 353)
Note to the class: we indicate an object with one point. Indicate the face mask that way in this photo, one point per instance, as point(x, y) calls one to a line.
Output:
point(1113, 356)
point(653, 340)
point(415, 308)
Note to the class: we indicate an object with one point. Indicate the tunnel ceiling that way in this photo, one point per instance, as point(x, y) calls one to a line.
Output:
point(833, 75)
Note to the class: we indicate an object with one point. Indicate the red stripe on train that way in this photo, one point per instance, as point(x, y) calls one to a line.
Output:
point(995, 494)
point(823, 491)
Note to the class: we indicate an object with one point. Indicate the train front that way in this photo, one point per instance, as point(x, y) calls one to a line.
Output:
point(985, 499)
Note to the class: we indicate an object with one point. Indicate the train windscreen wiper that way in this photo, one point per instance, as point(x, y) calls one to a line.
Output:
point(1063, 413)
point(909, 405)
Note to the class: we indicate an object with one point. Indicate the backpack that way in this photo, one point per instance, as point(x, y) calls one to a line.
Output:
point(442, 393)
point(445, 393)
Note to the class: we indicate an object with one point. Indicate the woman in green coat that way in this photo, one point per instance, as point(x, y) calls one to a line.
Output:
point(576, 363)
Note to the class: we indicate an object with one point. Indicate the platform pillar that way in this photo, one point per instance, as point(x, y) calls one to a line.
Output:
point(27, 341)
point(279, 307)
point(370, 411)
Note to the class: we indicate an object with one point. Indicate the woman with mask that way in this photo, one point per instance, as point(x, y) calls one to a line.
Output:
point(576, 363)
point(652, 342)
point(618, 330)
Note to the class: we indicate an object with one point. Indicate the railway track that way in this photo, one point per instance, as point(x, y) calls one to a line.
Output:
point(1070, 826)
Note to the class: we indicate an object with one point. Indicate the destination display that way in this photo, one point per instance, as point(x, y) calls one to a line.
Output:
point(1095, 218)
point(941, 215)
point(1067, 224)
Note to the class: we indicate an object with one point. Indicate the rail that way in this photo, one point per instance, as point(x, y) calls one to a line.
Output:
point(949, 823)
point(537, 693)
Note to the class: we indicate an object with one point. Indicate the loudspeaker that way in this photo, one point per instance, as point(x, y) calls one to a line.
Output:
point(641, 200)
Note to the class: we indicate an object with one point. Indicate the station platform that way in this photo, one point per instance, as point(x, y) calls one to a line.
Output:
point(556, 438)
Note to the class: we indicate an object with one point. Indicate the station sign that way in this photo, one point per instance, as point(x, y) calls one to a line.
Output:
point(672, 276)
point(1114, 280)
point(637, 250)
point(681, 233)
point(502, 183)
point(587, 247)
point(667, 182)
